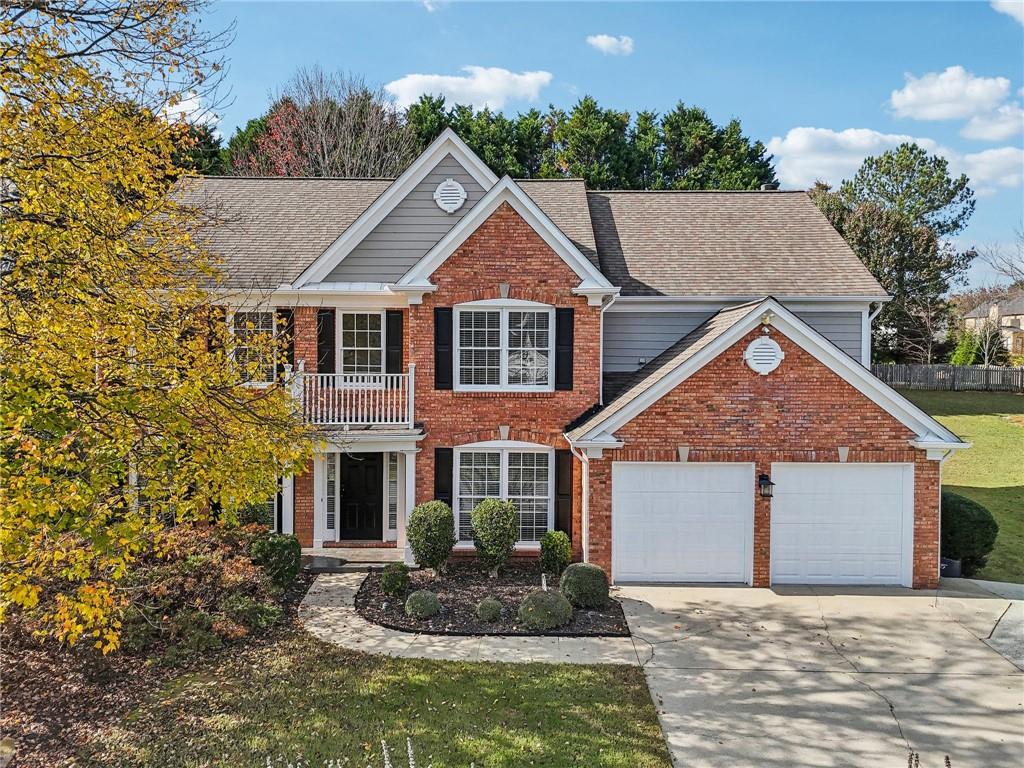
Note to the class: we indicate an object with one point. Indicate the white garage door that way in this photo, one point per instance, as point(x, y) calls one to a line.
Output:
point(842, 523)
point(682, 522)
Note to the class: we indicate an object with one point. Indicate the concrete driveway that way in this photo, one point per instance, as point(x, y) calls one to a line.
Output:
point(819, 677)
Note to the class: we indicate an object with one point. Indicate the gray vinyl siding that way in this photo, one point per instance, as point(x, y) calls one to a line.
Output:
point(841, 328)
point(634, 338)
point(408, 231)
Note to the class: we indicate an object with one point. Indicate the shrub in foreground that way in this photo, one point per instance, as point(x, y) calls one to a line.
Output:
point(280, 556)
point(395, 579)
point(585, 585)
point(422, 604)
point(541, 611)
point(488, 609)
point(495, 531)
point(431, 534)
point(968, 532)
point(555, 552)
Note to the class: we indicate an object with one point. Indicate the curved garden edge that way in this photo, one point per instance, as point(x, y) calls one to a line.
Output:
point(328, 613)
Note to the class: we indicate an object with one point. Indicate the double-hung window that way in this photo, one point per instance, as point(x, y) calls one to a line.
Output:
point(522, 475)
point(362, 342)
point(504, 345)
point(254, 357)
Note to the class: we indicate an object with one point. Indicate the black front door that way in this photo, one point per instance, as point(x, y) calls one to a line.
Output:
point(362, 496)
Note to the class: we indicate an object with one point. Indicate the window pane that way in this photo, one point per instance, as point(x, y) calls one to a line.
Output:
point(362, 342)
point(529, 346)
point(530, 492)
point(480, 348)
point(248, 327)
point(479, 478)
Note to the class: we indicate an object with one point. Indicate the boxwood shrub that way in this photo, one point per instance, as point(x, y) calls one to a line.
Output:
point(495, 531)
point(422, 604)
point(395, 579)
point(968, 532)
point(431, 534)
point(585, 585)
point(280, 556)
point(555, 552)
point(541, 611)
point(488, 609)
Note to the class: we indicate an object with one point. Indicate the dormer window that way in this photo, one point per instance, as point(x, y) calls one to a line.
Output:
point(504, 345)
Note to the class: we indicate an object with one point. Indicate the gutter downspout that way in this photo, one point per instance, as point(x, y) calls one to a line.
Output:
point(600, 357)
point(873, 315)
point(585, 497)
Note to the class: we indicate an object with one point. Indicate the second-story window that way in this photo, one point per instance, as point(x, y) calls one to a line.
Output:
point(254, 357)
point(362, 342)
point(504, 346)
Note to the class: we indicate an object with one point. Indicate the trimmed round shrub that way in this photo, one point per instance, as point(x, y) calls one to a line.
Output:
point(541, 611)
point(968, 532)
point(488, 609)
point(395, 579)
point(280, 556)
point(585, 585)
point(495, 531)
point(431, 534)
point(555, 552)
point(422, 604)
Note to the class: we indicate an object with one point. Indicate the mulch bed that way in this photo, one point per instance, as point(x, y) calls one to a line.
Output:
point(462, 587)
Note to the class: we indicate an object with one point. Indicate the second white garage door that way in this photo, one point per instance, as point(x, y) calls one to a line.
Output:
point(674, 522)
point(842, 523)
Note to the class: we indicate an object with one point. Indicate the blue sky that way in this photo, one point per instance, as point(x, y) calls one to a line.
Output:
point(824, 84)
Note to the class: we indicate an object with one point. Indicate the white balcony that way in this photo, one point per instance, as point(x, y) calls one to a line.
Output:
point(356, 399)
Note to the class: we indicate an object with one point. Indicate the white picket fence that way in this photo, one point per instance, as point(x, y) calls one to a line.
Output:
point(951, 377)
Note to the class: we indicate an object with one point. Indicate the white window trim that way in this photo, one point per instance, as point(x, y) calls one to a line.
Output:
point(262, 384)
point(339, 315)
point(503, 448)
point(503, 306)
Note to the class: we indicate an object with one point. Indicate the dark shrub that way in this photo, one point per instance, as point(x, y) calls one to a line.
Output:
point(191, 633)
point(251, 614)
point(541, 611)
point(585, 585)
point(395, 579)
point(431, 534)
point(260, 514)
point(422, 604)
point(488, 609)
point(555, 552)
point(968, 532)
point(495, 531)
point(280, 556)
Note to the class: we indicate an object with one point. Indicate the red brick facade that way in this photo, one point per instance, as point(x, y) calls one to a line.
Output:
point(800, 412)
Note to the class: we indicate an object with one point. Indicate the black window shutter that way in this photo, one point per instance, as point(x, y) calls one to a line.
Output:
point(279, 510)
point(325, 346)
point(443, 458)
point(563, 492)
point(217, 319)
point(443, 348)
point(393, 341)
point(285, 331)
point(563, 347)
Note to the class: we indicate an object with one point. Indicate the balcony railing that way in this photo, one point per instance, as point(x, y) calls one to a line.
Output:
point(357, 399)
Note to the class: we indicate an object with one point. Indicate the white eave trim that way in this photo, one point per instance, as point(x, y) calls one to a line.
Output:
point(802, 334)
point(713, 303)
point(937, 448)
point(507, 191)
point(447, 143)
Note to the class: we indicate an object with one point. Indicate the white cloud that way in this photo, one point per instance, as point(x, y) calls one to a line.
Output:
point(954, 93)
point(432, 5)
point(1014, 8)
point(1002, 167)
point(190, 109)
point(806, 155)
point(610, 45)
point(1005, 122)
point(480, 86)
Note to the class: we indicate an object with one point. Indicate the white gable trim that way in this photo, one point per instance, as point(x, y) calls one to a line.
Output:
point(448, 143)
point(824, 351)
point(593, 284)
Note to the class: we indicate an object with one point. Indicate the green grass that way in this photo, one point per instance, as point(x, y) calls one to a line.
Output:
point(992, 471)
point(300, 698)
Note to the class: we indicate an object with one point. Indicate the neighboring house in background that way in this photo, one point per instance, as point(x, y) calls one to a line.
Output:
point(1007, 315)
point(634, 368)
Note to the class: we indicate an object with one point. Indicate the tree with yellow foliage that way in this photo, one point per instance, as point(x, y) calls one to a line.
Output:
point(117, 372)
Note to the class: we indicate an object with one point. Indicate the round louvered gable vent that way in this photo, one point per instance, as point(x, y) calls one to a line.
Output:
point(449, 195)
point(763, 355)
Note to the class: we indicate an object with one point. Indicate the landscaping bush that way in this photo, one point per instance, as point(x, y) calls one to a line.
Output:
point(585, 585)
point(431, 534)
point(395, 579)
point(541, 611)
point(968, 532)
point(422, 604)
point(495, 531)
point(280, 556)
point(555, 552)
point(252, 614)
point(260, 514)
point(488, 609)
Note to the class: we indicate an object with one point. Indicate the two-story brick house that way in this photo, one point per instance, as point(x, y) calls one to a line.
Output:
point(676, 379)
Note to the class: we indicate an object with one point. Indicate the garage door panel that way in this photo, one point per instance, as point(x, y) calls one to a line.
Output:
point(842, 523)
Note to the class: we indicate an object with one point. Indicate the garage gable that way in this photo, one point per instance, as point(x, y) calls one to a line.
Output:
point(762, 400)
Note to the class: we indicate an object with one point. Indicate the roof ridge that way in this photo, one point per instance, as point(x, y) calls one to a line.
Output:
point(695, 191)
point(206, 177)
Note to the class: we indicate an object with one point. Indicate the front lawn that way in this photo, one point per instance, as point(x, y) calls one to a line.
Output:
point(992, 471)
point(297, 697)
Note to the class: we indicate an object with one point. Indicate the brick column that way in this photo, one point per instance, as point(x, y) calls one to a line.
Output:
point(304, 505)
point(762, 530)
point(927, 489)
point(304, 329)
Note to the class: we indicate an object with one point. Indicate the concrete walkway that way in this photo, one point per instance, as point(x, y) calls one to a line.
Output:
point(328, 612)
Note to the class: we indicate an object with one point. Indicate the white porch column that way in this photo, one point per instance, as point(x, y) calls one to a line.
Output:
point(288, 504)
point(407, 500)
